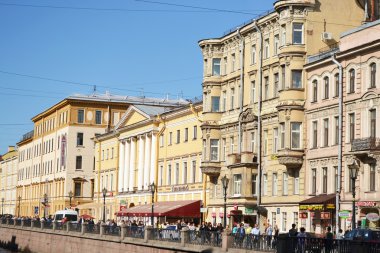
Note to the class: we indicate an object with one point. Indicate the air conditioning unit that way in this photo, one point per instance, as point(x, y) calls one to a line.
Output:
point(326, 36)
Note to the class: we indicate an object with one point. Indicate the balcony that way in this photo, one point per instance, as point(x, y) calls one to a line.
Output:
point(285, 3)
point(211, 118)
point(293, 48)
point(211, 169)
point(365, 144)
point(292, 159)
point(291, 98)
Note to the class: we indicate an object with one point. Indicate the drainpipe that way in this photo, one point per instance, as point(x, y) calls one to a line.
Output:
point(241, 87)
point(157, 147)
point(259, 117)
point(338, 187)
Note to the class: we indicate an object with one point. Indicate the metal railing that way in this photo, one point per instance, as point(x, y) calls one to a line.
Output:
point(112, 230)
point(36, 223)
point(27, 223)
point(212, 238)
point(255, 242)
point(47, 225)
point(11, 222)
point(92, 228)
point(135, 232)
point(167, 235)
point(363, 144)
point(18, 222)
point(74, 227)
point(321, 245)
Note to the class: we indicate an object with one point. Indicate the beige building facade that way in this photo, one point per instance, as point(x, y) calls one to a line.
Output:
point(359, 55)
point(8, 180)
point(254, 128)
point(56, 159)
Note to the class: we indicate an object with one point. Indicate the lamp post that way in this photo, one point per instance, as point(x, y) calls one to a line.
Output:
point(19, 205)
point(225, 187)
point(152, 188)
point(354, 168)
point(45, 204)
point(2, 207)
point(104, 203)
point(70, 197)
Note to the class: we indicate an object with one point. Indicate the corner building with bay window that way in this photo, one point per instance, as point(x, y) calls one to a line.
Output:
point(253, 108)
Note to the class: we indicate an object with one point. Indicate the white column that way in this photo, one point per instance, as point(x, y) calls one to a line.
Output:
point(147, 161)
point(141, 163)
point(132, 164)
point(154, 158)
point(126, 165)
point(121, 166)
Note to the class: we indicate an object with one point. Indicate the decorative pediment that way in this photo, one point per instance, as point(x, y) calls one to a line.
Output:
point(247, 116)
point(131, 116)
point(369, 95)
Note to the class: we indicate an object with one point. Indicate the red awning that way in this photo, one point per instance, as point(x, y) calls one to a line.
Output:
point(182, 208)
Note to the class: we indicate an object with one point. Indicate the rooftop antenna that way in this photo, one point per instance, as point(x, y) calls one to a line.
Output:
point(142, 92)
point(94, 90)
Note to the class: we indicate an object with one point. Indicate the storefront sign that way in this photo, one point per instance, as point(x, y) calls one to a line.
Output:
point(372, 217)
point(311, 207)
point(344, 214)
point(365, 203)
point(204, 210)
point(123, 208)
point(303, 215)
point(180, 188)
point(330, 206)
point(248, 210)
point(325, 215)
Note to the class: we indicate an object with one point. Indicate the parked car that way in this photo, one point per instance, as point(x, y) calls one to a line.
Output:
point(70, 215)
point(368, 235)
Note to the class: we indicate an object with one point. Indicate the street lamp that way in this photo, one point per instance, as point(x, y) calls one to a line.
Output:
point(45, 203)
point(354, 168)
point(2, 207)
point(19, 204)
point(152, 188)
point(225, 186)
point(104, 203)
point(70, 197)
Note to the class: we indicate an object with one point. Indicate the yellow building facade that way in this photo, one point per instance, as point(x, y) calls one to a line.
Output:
point(253, 112)
point(152, 145)
point(56, 160)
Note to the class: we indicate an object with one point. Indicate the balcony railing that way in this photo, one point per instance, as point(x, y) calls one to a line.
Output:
point(365, 144)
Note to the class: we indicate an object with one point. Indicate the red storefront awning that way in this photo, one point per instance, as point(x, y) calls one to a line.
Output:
point(182, 208)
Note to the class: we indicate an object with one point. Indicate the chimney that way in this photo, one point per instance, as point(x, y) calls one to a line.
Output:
point(11, 148)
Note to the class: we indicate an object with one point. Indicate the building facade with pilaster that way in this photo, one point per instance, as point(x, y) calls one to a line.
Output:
point(254, 130)
point(359, 56)
point(151, 144)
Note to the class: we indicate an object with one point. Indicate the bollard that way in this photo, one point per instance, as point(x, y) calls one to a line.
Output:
point(22, 223)
point(68, 226)
point(83, 228)
point(148, 233)
point(32, 223)
point(123, 231)
point(185, 236)
point(227, 240)
point(42, 224)
point(102, 228)
point(8, 221)
point(54, 225)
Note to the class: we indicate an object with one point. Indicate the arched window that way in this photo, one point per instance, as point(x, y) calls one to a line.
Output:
point(352, 81)
point(326, 87)
point(373, 75)
point(337, 85)
point(315, 91)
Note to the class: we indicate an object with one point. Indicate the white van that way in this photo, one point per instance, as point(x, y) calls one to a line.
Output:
point(70, 215)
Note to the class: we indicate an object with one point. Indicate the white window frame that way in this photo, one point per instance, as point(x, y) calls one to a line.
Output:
point(214, 149)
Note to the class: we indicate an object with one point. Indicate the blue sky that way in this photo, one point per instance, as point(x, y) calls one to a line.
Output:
point(152, 50)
